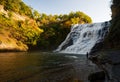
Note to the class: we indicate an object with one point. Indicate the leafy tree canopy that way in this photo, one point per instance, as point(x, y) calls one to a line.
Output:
point(17, 6)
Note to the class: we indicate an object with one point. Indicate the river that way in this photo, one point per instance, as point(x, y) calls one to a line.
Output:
point(44, 67)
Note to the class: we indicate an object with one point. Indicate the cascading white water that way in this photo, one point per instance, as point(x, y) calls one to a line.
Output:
point(83, 38)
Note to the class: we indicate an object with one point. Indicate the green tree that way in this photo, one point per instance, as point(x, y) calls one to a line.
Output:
point(36, 15)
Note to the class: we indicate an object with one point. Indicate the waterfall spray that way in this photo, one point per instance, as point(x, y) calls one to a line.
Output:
point(83, 38)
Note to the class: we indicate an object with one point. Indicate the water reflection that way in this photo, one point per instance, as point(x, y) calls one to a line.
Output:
point(42, 67)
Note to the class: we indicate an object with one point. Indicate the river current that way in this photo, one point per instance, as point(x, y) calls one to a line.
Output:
point(44, 67)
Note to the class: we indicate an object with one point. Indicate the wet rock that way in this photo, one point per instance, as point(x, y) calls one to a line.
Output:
point(109, 62)
point(97, 77)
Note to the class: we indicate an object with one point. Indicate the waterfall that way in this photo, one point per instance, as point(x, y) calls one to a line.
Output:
point(83, 38)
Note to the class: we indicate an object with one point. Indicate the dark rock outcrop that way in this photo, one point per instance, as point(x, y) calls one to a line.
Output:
point(97, 77)
point(109, 62)
point(106, 55)
point(112, 41)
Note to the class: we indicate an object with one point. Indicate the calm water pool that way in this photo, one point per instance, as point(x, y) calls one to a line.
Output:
point(43, 67)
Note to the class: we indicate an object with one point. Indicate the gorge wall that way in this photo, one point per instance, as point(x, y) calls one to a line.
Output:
point(112, 41)
point(16, 31)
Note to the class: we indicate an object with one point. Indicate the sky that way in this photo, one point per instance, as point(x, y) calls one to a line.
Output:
point(98, 10)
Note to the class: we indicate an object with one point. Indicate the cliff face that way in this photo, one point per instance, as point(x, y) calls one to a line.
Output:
point(8, 43)
point(112, 41)
point(16, 31)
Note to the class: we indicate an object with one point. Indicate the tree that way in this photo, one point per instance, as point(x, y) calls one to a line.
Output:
point(36, 15)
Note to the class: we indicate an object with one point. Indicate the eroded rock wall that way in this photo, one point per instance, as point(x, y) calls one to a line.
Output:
point(112, 41)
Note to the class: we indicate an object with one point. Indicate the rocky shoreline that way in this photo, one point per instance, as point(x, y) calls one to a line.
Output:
point(109, 62)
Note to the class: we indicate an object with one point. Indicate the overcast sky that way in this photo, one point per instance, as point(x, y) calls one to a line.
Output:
point(98, 10)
